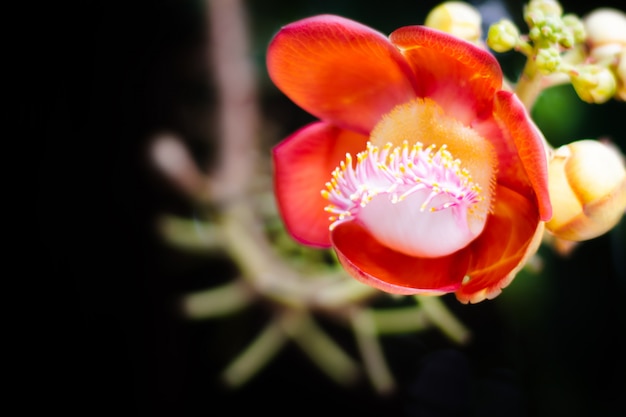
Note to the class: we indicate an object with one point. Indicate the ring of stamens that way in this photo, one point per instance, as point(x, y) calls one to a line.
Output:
point(400, 172)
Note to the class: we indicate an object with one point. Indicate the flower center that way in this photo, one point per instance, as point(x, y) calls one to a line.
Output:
point(413, 198)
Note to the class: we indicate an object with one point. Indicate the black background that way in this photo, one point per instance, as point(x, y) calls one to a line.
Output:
point(105, 77)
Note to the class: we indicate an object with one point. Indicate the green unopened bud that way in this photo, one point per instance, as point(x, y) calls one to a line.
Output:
point(547, 7)
point(548, 60)
point(503, 36)
point(575, 27)
point(550, 32)
point(587, 186)
point(567, 39)
point(536, 11)
point(534, 33)
point(594, 84)
point(457, 18)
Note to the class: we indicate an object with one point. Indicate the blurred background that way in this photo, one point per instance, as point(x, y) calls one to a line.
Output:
point(119, 73)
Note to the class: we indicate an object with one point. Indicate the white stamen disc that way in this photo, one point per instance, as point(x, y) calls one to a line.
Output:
point(412, 199)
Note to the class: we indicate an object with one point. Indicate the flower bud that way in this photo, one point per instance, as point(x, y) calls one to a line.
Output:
point(456, 18)
point(594, 84)
point(587, 185)
point(576, 27)
point(548, 60)
point(503, 36)
point(606, 25)
point(546, 7)
point(537, 12)
point(606, 33)
point(621, 76)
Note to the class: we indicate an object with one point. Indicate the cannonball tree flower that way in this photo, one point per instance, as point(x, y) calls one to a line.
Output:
point(423, 174)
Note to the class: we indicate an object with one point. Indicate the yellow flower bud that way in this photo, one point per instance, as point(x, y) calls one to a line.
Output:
point(548, 60)
point(536, 11)
point(547, 7)
point(594, 84)
point(605, 26)
point(456, 18)
point(576, 27)
point(587, 185)
point(503, 36)
point(606, 33)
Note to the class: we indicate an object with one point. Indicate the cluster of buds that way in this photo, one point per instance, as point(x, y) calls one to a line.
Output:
point(606, 43)
point(550, 33)
point(589, 52)
point(587, 178)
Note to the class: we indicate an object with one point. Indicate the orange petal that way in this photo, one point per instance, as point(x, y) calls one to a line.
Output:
point(363, 257)
point(460, 76)
point(339, 70)
point(512, 233)
point(303, 163)
point(519, 129)
point(511, 172)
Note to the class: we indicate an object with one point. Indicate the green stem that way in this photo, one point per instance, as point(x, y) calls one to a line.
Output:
point(342, 291)
point(256, 356)
point(400, 320)
point(324, 352)
point(191, 235)
point(443, 318)
point(529, 85)
point(219, 301)
point(364, 327)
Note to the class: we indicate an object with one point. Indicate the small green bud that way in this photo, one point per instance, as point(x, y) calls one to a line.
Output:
point(576, 27)
point(533, 18)
point(534, 34)
point(567, 40)
point(594, 84)
point(547, 7)
point(548, 60)
point(537, 11)
point(553, 29)
point(503, 36)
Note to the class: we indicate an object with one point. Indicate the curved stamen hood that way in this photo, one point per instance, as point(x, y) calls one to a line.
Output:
point(417, 201)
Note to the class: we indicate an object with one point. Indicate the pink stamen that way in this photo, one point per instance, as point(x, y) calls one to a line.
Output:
point(399, 172)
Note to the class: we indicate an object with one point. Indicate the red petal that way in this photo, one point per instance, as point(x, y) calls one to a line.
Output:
point(520, 130)
point(460, 76)
point(511, 234)
point(339, 70)
point(511, 173)
point(374, 264)
point(303, 163)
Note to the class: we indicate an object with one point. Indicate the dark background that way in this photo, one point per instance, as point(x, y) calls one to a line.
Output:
point(107, 76)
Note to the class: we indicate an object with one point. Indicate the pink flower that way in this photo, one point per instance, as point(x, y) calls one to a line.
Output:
point(423, 174)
